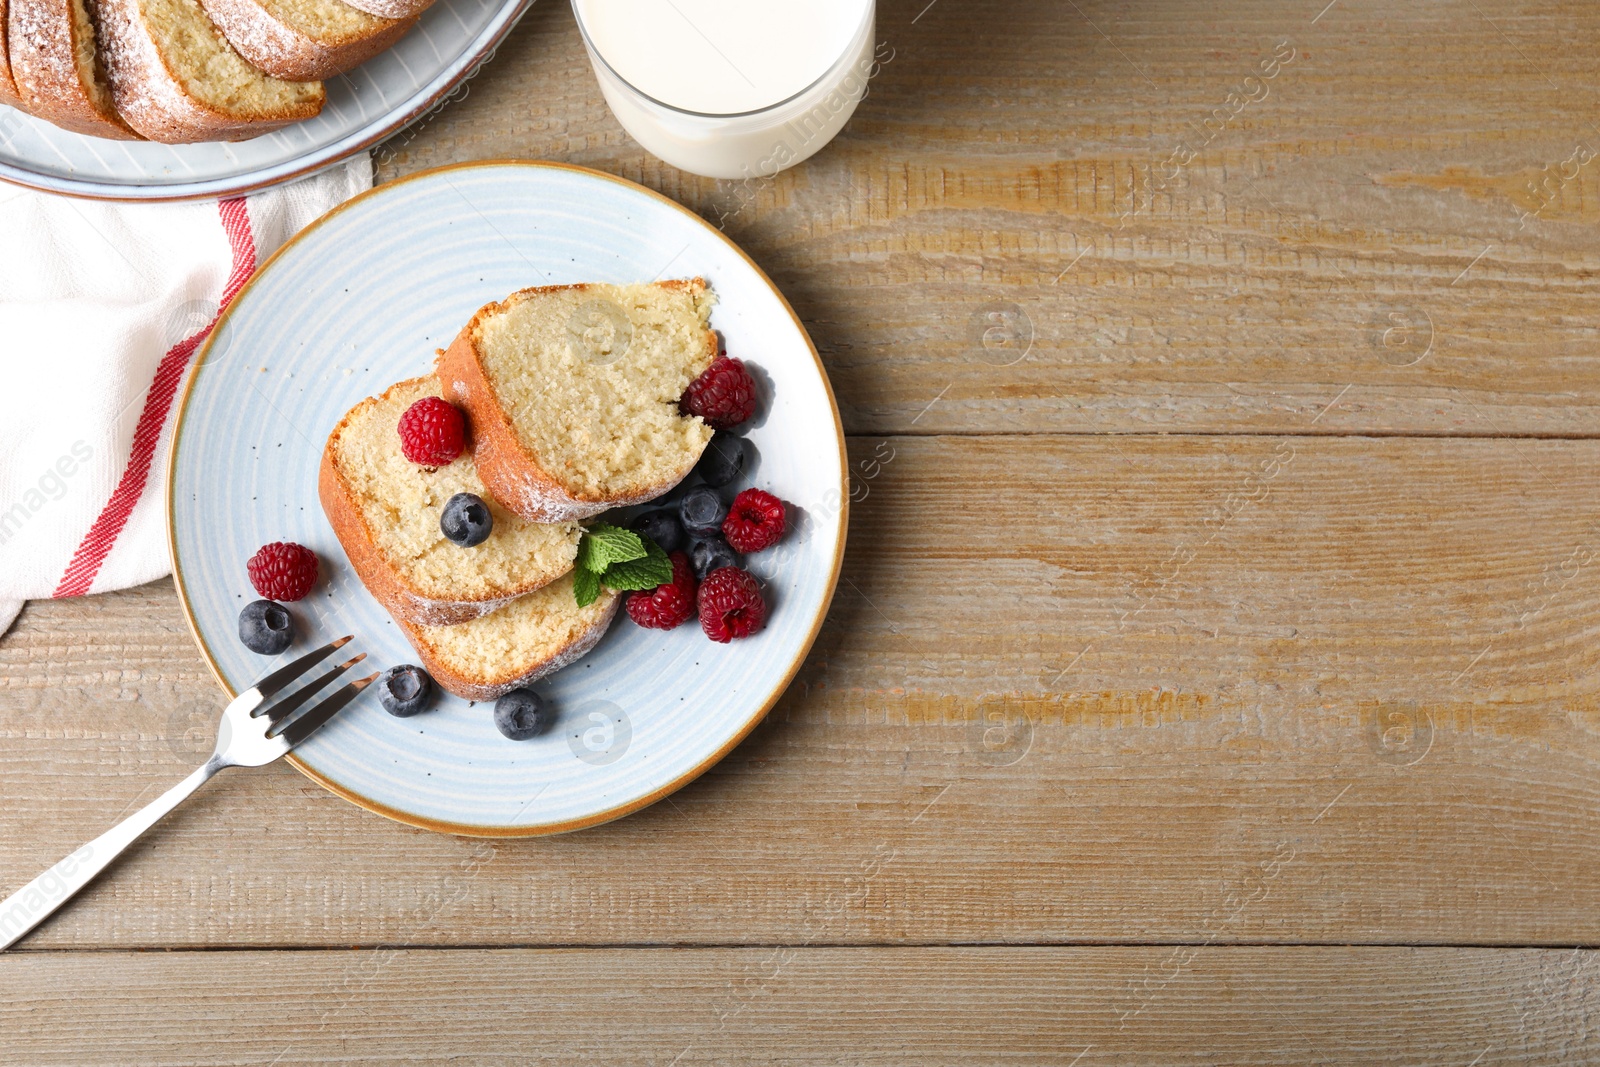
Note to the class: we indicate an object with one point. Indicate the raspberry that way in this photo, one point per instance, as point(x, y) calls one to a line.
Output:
point(432, 432)
point(730, 605)
point(724, 395)
point(283, 570)
point(755, 521)
point(668, 605)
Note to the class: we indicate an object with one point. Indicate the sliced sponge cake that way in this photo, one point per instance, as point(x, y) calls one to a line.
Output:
point(527, 639)
point(385, 510)
point(572, 392)
point(175, 79)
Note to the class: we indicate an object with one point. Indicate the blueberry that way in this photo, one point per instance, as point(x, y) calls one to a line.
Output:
point(265, 626)
point(723, 460)
point(661, 526)
point(702, 511)
point(520, 714)
point(466, 520)
point(404, 690)
point(709, 553)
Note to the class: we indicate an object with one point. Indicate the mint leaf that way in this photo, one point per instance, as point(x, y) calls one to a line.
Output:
point(652, 570)
point(604, 544)
point(585, 587)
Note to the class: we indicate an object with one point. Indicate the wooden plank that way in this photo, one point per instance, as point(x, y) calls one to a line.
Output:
point(926, 1006)
point(1393, 233)
point(1148, 689)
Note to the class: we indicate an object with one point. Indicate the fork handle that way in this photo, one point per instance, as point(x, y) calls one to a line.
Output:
point(34, 902)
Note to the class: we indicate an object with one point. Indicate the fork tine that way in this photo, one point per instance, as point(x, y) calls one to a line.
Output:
point(313, 720)
point(286, 707)
point(281, 677)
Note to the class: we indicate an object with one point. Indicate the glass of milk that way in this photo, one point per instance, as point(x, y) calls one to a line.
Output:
point(730, 88)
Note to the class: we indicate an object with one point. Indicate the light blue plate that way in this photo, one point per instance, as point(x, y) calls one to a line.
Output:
point(362, 299)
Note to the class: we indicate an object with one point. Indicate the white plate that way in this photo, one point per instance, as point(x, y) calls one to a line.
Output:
point(362, 299)
point(451, 41)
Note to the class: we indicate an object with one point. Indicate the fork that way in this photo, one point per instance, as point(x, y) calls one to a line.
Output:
point(250, 734)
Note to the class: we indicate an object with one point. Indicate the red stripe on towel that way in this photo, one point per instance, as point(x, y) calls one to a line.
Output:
point(97, 543)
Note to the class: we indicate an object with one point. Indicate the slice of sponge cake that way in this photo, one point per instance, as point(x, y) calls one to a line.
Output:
point(8, 84)
point(304, 39)
point(572, 392)
point(385, 510)
point(527, 639)
point(52, 48)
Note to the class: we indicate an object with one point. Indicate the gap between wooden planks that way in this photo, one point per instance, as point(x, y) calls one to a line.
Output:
point(957, 1006)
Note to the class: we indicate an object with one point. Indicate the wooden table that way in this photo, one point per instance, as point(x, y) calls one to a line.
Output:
point(1212, 678)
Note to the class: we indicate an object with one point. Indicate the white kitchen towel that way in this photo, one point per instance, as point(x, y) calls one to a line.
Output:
point(103, 307)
